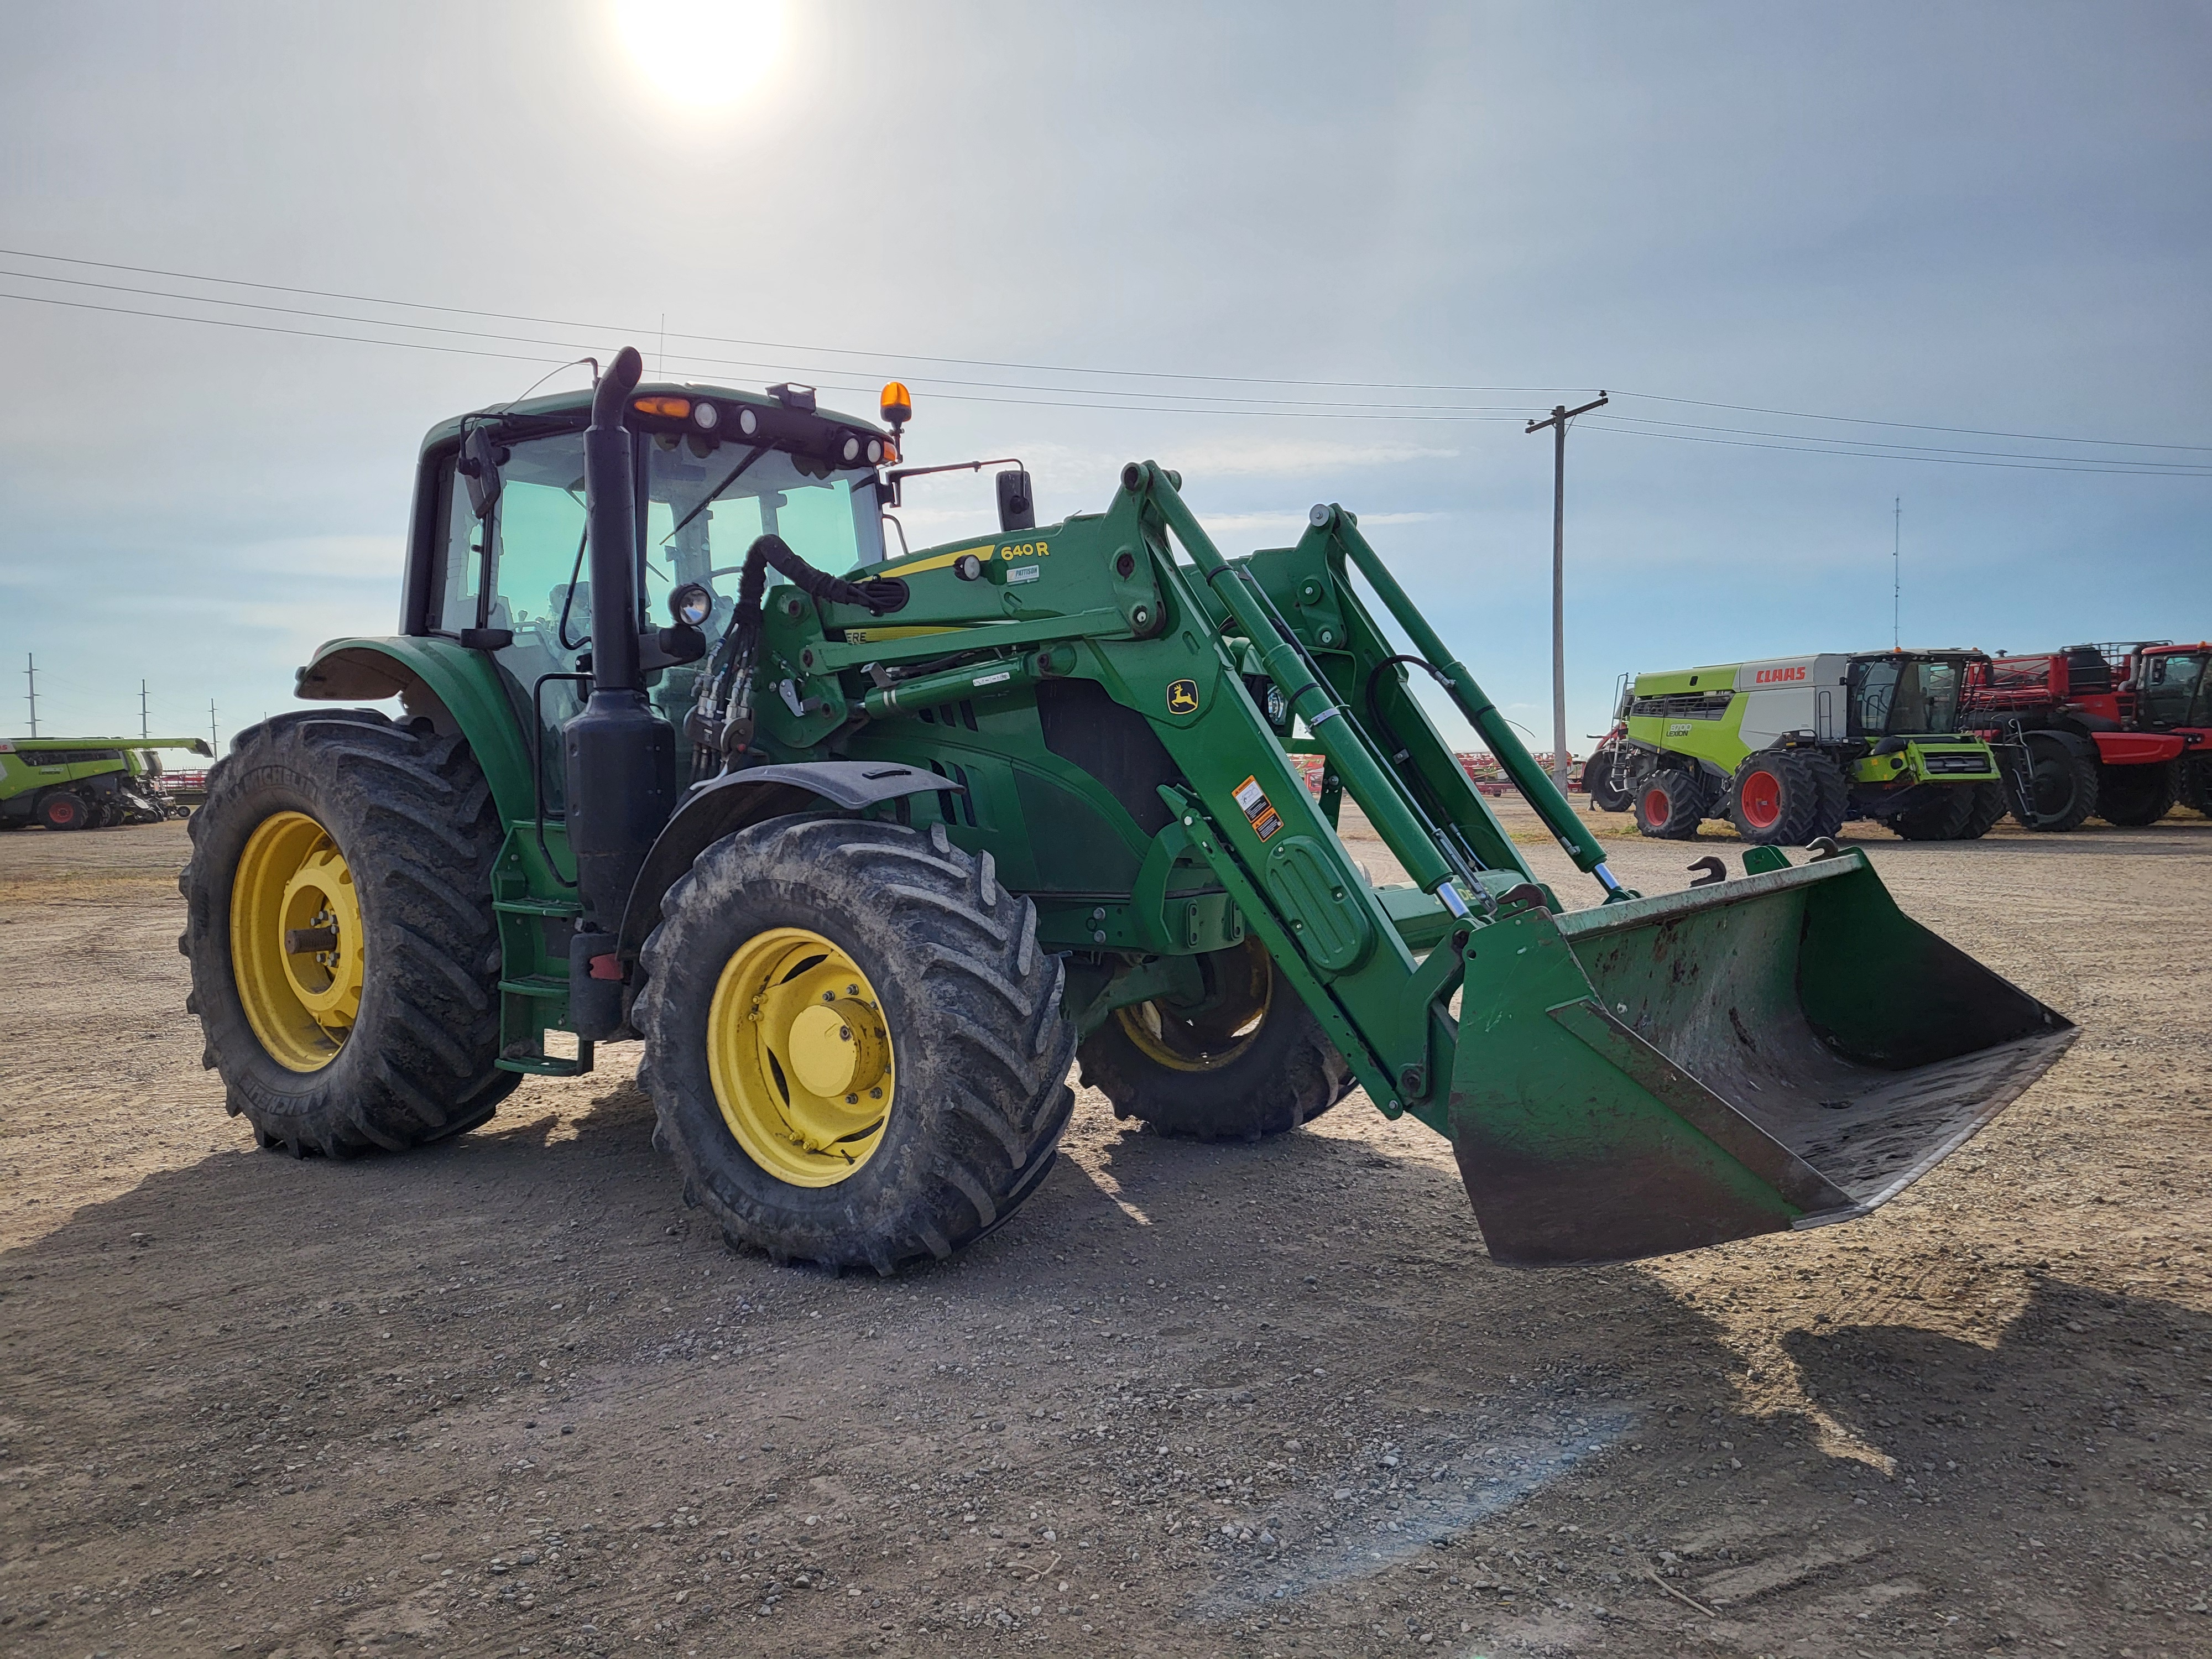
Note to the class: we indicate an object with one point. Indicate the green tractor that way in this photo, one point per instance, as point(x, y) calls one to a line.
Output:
point(85, 783)
point(1790, 748)
point(865, 860)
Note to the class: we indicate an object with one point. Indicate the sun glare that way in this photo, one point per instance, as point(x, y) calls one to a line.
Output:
point(705, 53)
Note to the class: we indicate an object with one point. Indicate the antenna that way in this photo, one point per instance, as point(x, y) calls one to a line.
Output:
point(1896, 574)
point(212, 742)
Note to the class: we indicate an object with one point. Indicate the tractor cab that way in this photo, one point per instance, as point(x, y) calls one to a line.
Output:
point(499, 562)
point(1899, 694)
point(2173, 686)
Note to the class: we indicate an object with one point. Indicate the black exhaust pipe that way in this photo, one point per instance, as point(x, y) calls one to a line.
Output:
point(619, 757)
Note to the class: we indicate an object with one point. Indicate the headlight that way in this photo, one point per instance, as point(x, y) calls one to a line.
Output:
point(691, 605)
point(1279, 707)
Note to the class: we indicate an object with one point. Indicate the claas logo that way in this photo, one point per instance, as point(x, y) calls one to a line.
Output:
point(1777, 676)
point(1182, 698)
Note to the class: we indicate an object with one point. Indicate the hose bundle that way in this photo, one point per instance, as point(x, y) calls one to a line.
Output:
point(878, 595)
point(721, 722)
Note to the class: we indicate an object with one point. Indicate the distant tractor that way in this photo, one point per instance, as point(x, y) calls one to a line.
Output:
point(2115, 732)
point(1791, 748)
point(85, 783)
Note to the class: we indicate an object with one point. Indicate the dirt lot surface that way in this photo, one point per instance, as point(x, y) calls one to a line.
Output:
point(508, 1397)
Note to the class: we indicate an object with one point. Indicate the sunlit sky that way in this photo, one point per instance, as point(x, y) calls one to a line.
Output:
point(1987, 224)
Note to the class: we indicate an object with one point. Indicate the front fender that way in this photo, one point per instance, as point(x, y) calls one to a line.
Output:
point(435, 676)
point(723, 806)
point(2139, 747)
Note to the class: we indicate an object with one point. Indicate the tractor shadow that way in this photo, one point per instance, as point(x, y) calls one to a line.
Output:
point(1314, 1315)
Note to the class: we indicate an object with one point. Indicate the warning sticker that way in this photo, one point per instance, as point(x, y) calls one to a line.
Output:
point(1254, 799)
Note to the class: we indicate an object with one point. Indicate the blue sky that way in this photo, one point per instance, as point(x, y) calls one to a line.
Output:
point(1990, 217)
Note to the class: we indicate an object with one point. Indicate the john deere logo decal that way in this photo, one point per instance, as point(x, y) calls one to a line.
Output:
point(1182, 698)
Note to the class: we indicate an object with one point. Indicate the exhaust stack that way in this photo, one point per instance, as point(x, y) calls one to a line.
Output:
point(619, 759)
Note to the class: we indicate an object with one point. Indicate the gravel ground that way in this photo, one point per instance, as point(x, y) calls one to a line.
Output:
point(506, 1396)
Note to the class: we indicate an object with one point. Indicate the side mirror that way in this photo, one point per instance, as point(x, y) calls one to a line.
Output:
point(479, 464)
point(1017, 506)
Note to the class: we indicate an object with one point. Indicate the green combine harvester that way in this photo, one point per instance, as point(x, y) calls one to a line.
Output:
point(85, 783)
point(1791, 748)
point(866, 859)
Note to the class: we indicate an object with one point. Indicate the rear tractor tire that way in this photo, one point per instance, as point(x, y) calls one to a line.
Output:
point(1786, 798)
point(345, 963)
point(1250, 1061)
point(1671, 802)
point(853, 1042)
point(2194, 783)
point(2055, 790)
point(2132, 796)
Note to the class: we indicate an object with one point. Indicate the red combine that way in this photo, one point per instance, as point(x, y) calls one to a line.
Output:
point(2120, 731)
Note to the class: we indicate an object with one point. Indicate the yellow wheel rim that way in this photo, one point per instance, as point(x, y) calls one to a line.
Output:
point(800, 1057)
point(296, 949)
point(1212, 1040)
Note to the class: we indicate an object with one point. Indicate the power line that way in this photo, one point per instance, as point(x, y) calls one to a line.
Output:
point(2186, 468)
point(1129, 399)
point(2116, 471)
point(768, 345)
point(1912, 425)
point(777, 367)
point(955, 396)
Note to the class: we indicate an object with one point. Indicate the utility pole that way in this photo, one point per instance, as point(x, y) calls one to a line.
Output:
point(1558, 423)
point(31, 674)
point(1896, 575)
point(212, 743)
point(143, 730)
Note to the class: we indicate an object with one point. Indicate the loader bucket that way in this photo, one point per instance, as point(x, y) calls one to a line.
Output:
point(1783, 1051)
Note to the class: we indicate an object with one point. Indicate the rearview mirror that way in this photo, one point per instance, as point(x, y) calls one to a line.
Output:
point(479, 464)
point(1017, 506)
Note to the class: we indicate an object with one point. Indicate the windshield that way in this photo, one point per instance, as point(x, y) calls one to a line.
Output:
point(1905, 696)
point(2176, 691)
point(706, 502)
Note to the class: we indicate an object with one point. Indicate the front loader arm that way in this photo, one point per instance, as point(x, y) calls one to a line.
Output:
point(1644, 1076)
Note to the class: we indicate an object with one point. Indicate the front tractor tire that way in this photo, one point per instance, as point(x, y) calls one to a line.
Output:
point(854, 1043)
point(64, 809)
point(344, 958)
point(2056, 789)
point(2132, 796)
point(1942, 812)
point(1250, 1060)
point(1602, 776)
point(1671, 802)
point(1787, 797)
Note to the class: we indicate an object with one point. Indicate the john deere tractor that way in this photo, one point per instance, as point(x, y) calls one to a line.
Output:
point(867, 848)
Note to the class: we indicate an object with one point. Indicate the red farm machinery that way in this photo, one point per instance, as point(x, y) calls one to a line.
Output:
point(2118, 731)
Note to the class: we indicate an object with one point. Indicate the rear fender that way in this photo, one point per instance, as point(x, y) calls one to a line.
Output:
point(456, 689)
point(724, 805)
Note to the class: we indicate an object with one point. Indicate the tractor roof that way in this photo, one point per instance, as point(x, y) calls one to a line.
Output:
point(561, 406)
